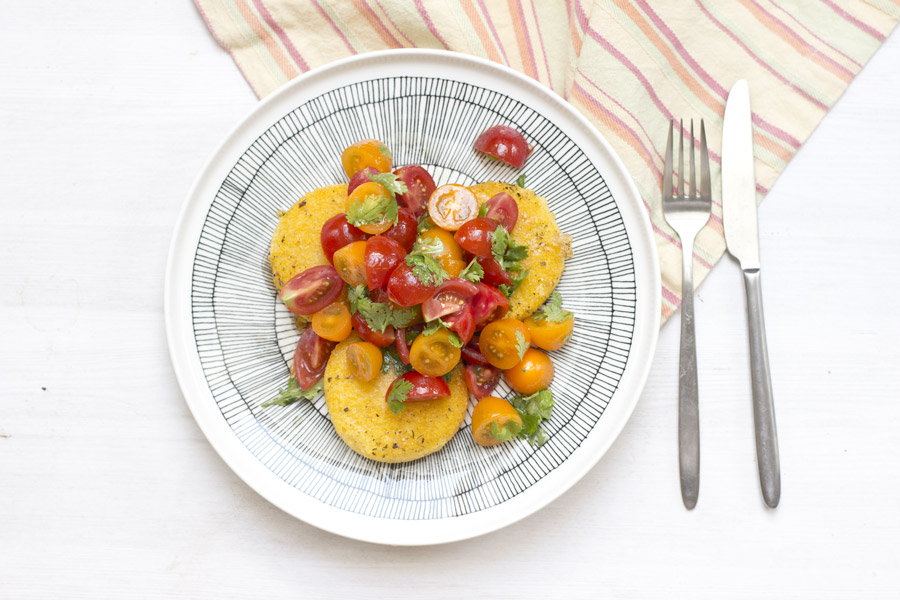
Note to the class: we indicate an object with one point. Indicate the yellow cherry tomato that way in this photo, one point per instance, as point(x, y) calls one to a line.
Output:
point(451, 205)
point(452, 249)
point(452, 266)
point(366, 153)
point(350, 264)
point(364, 197)
point(533, 373)
point(550, 335)
point(333, 322)
point(504, 342)
point(494, 420)
point(364, 360)
point(433, 354)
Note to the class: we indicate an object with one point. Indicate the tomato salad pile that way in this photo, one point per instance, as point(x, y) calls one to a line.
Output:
point(423, 274)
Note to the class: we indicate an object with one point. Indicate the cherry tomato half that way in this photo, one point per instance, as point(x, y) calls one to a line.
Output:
point(452, 266)
point(337, 233)
point(475, 236)
point(310, 358)
point(533, 373)
point(312, 290)
point(433, 354)
point(481, 379)
point(382, 255)
point(419, 185)
point(405, 289)
point(449, 298)
point(492, 413)
point(493, 272)
point(451, 205)
point(423, 387)
point(360, 177)
point(462, 322)
point(488, 304)
point(451, 249)
point(350, 263)
point(504, 342)
point(404, 230)
point(550, 335)
point(366, 153)
point(364, 360)
point(333, 322)
point(382, 339)
point(471, 353)
point(504, 144)
point(361, 196)
point(503, 209)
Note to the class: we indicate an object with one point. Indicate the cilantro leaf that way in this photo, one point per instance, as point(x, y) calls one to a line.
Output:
point(390, 182)
point(385, 151)
point(521, 344)
point(553, 310)
point(473, 272)
point(534, 410)
point(482, 210)
point(431, 327)
point(379, 315)
point(504, 432)
point(397, 395)
point(391, 361)
point(455, 340)
point(294, 393)
point(372, 209)
point(425, 222)
point(506, 251)
point(521, 180)
point(425, 266)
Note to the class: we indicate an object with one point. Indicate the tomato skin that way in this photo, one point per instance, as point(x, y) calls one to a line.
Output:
point(451, 205)
point(433, 354)
point(463, 323)
point(503, 208)
point(382, 255)
point(358, 197)
point(404, 230)
point(488, 304)
point(504, 144)
point(419, 184)
point(380, 339)
point(360, 177)
point(452, 266)
point(550, 335)
point(451, 247)
point(471, 353)
point(475, 236)
point(333, 322)
point(350, 263)
point(449, 298)
point(424, 387)
point(365, 153)
point(405, 289)
point(481, 379)
point(364, 360)
point(337, 233)
point(533, 373)
point(311, 358)
point(489, 410)
point(493, 272)
point(500, 344)
point(312, 290)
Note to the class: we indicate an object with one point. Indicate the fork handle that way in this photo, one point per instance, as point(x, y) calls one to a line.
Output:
point(763, 403)
point(688, 411)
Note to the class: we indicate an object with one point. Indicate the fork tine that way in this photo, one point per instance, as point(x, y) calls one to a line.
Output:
point(680, 186)
point(692, 176)
point(704, 164)
point(667, 169)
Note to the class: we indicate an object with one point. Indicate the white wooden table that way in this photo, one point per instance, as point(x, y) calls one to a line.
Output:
point(108, 488)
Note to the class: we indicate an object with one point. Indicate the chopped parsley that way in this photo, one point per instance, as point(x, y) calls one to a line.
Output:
point(473, 272)
point(294, 393)
point(397, 395)
point(372, 209)
point(534, 410)
point(553, 310)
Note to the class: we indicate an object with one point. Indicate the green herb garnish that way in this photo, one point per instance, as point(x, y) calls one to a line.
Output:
point(521, 180)
point(385, 152)
point(521, 344)
point(379, 315)
point(506, 251)
point(473, 272)
point(294, 393)
point(553, 310)
point(390, 182)
point(534, 410)
point(398, 394)
point(425, 266)
point(505, 432)
point(372, 209)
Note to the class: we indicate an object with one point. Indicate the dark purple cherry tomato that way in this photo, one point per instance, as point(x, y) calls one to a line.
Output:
point(471, 352)
point(503, 208)
point(419, 185)
point(405, 289)
point(361, 177)
point(380, 339)
point(312, 290)
point(475, 235)
point(489, 304)
point(405, 230)
point(448, 299)
point(482, 379)
point(493, 272)
point(504, 144)
point(424, 387)
point(382, 256)
point(310, 358)
point(462, 322)
point(337, 233)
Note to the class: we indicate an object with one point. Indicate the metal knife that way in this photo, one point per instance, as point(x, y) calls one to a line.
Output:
point(739, 219)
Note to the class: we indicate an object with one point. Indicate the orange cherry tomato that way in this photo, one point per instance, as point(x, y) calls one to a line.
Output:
point(433, 354)
point(364, 360)
point(550, 335)
point(350, 263)
point(452, 266)
point(503, 342)
point(451, 248)
point(494, 420)
point(363, 196)
point(533, 374)
point(451, 205)
point(333, 322)
point(366, 153)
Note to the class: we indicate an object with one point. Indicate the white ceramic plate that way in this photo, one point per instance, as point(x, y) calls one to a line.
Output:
point(230, 338)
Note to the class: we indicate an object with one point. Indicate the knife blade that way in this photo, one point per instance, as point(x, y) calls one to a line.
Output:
point(740, 222)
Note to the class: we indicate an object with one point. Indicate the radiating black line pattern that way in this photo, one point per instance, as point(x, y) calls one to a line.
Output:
point(245, 337)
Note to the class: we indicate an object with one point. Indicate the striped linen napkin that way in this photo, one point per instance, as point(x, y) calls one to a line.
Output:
point(628, 65)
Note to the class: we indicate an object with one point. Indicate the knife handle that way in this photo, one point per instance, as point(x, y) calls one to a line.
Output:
point(763, 404)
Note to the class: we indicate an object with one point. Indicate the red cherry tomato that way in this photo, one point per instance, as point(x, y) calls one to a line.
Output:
point(504, 144)
point(424, 387)
point(488, 305)
point(360, 177)
point(503, 209)
point(462, 322)
point(419, 185)
point(382, 256)
point(312, 290)
point(493, 272)
point(379, 295)
point(405, 230)
point(448, 299)
point(310, 358)
point(337, 233)
point(380, 339)
point(405, 289)
point(482, 379)
point(471, 352)
point(475, 236)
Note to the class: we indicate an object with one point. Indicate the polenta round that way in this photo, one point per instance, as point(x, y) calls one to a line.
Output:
point(362, 419)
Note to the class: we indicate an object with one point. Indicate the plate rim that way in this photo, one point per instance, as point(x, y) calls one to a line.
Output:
point(243, 463)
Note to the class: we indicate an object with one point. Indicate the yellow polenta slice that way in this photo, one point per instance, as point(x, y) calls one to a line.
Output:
point(297, 242)
point(548, 247)
point(362, 419)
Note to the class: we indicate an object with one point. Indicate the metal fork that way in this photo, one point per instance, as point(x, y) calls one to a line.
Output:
point(687, 214)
